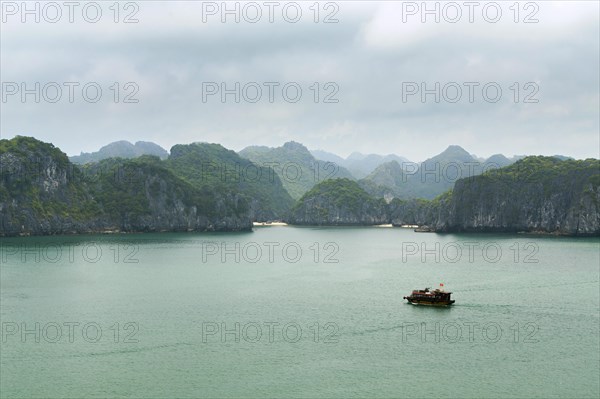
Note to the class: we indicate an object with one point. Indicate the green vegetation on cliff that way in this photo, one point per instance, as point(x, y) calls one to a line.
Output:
point(339, 192)
point(207, 187)
point(536, 194)
point(37, 181)
point(548, 171)
point(126, 188)
point(41, 192)
point(338, 202)
point(212, 167)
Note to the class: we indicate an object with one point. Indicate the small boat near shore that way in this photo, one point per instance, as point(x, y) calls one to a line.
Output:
point(427, 297)
point(274, 223)
point(424, 229)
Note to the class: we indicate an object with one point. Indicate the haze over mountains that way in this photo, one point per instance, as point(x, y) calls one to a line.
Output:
point(382, 176)
point(297, 168)
point(430, 178)
point(207, 187)
point(121, 149)
point(359, 165)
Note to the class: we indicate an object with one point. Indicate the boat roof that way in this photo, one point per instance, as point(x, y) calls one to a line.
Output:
point(429, 292)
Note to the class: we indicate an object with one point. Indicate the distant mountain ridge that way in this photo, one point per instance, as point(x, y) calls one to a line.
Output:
point(499, 159)
point(359, 165)
point(430, 178)
point(295, 165)
point(121, 149)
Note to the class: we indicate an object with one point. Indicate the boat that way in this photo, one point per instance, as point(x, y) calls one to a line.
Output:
point(427, 297)
point(424, 229)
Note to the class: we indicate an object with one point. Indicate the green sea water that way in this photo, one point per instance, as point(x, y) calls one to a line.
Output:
point(299, 312)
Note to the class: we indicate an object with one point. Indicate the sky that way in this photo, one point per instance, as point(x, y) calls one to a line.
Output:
point(373, 77)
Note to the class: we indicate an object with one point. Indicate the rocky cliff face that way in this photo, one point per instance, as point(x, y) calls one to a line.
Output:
point(537, 194)
point(338, 202)
point(142, 195)
point(320, 210)
point(565, 204)
point(37, 188)
point(213, 167)
point(419, 212)
point(42, 193)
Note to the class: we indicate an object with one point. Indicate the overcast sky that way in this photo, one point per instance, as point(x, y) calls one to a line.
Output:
point(372, 61)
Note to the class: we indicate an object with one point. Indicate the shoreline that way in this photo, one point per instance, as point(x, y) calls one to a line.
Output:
point(267, 224)
point(116, 232)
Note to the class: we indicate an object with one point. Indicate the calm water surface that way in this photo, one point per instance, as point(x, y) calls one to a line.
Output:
point(299, 312)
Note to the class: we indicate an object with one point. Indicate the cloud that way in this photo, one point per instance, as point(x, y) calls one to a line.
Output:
point(368, 58)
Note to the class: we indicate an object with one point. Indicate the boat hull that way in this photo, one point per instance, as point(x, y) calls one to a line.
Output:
point(429, 303)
